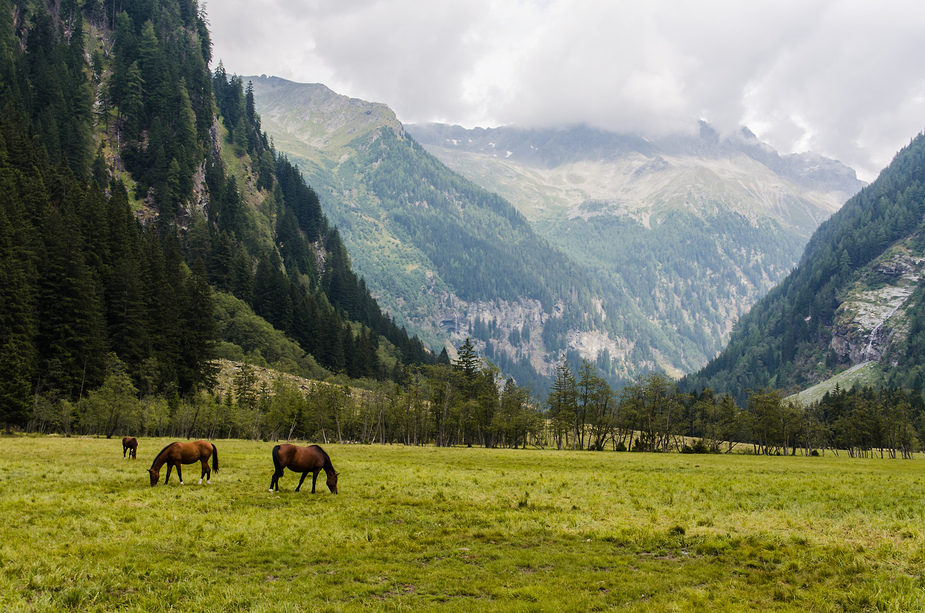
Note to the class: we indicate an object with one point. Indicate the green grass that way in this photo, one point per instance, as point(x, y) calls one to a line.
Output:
point(458, 529)
point(864, 374)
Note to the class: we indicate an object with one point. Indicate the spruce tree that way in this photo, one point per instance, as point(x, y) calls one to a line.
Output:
point(467, 364)
point(72, 332)
point(17, 304)
point(563, 403)
point(198, 345)
point(126, 309)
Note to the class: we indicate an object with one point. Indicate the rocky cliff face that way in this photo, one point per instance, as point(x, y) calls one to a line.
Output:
point(873, 316)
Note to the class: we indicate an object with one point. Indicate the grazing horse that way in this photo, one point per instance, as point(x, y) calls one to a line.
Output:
point(130, 446)
point(176, 454)
point(303, 460)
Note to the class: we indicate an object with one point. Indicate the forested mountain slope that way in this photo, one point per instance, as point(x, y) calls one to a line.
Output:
point(129, 204)
point(855, 297)
point(659, 269)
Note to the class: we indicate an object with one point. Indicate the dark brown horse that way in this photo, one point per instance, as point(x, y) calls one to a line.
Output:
point(176, 454)
point(130, 446)
point(303, 460)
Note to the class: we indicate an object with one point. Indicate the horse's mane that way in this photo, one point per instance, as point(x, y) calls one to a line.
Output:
point(161, 452)
point(327, 458)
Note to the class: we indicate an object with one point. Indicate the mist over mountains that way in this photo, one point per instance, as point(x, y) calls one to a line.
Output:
point(551, 148)
point(799, 190)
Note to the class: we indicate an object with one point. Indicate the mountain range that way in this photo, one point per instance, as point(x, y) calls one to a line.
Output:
point(636, 254)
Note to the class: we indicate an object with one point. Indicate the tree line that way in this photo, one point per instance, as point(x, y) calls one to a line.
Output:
point(466, 403)
point(652, 414)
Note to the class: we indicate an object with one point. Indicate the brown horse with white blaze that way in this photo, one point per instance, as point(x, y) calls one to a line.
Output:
point(303, 460)
point(130, 446)
point(178, 453)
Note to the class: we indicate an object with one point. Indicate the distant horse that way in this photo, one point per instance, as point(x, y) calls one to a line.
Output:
point(303, 460)
point(176, 454)
point(130, 446)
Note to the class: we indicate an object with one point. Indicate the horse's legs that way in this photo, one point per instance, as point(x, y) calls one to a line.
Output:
point(170, 468)
point(179, 474)
point(205, 471)
point(274, 480)
point(305, 474)
point(315, 478)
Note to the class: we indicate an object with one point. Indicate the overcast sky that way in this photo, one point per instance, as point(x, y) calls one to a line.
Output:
point(842, 78)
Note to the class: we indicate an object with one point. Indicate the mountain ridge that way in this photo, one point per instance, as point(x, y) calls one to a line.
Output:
point(335, 117)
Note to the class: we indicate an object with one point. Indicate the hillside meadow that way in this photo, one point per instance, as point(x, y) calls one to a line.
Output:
point(425, 528)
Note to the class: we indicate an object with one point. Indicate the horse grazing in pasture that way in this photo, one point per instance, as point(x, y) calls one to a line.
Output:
point(178, 453)
point(130, 446)
point(303, 460)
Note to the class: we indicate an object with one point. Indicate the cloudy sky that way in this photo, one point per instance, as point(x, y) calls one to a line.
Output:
point(840, 77)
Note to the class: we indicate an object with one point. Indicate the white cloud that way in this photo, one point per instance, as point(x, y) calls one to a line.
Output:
point(843, 78)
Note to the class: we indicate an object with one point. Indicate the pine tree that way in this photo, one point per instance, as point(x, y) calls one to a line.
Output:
point(17, 304)
point(130, 101)
point(126, 310)
point(468, 365)
point(163, 303)
point(562, 403)
point(198, 346)
point(72, 338)
point(444, 357)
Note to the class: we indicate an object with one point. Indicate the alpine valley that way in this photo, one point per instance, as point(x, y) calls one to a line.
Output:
point(639, 255)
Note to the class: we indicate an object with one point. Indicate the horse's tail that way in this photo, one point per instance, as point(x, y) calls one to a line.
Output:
point(214, 457)
point(276, 462)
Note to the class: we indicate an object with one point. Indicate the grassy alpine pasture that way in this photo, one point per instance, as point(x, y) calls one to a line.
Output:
point(424, 528)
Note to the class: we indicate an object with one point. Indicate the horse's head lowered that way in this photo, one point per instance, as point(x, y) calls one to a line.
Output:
point(332, 482)
point(155, 476)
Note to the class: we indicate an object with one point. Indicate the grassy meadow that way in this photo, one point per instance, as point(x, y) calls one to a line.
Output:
point(423, 528)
